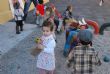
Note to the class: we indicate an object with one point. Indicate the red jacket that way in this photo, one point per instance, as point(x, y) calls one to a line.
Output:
point(40, 9)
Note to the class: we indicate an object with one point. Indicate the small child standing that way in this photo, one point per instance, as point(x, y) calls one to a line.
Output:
point(67, 14)
point(83, 58)
point(18, 15)
point(48, 13)
point(46, 58)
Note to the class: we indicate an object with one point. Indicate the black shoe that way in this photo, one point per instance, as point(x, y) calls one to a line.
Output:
point(40, 26)
point(17, 32)
point(58, 32)
point(56, 40)
point(21, 30)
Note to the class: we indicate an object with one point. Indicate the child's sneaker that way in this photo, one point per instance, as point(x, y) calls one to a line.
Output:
point(17, 32)
point(21, 29)
point(100, 4)
point(56, 40)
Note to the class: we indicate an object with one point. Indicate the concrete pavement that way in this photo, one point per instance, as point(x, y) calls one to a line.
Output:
point(9, 38)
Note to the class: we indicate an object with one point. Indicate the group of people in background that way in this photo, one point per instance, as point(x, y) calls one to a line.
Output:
point(80, 55)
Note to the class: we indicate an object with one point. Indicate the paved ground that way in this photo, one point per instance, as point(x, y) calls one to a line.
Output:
point(18, 59)
point(9, 38)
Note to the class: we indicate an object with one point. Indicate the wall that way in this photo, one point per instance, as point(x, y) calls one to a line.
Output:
point(5, 11)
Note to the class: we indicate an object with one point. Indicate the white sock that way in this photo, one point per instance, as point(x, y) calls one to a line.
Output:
point(83, 20)
point(100, 3)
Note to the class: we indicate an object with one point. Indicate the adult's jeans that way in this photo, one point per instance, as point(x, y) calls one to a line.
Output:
point(27, 5)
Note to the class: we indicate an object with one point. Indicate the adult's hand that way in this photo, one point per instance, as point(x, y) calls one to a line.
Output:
point(25, 0)
point(40, 46)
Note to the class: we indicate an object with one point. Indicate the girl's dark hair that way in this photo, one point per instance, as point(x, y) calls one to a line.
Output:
point(49, 9)
point(86, 43)
point(16, 5)
point(40, 1)
point(47, 23)
point(69, 7)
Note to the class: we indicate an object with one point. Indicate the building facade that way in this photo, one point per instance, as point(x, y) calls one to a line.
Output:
point(6, 10)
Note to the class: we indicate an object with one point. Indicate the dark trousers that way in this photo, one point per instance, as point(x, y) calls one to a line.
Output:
point(19, 26)
point(26, 7)
point(64, 22)
point(56, 23)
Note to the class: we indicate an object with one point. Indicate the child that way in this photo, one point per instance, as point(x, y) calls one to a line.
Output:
point(48, 13)
point(18, 15)
point(83, 57)
point(67, 14)
point(46, 58)
point(39, 13)
point(57, 20)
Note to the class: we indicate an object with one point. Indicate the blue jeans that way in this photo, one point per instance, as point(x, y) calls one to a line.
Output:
point(39, 20)
point(27, 5)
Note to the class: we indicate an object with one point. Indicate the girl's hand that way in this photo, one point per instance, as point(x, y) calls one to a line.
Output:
point(40, 46)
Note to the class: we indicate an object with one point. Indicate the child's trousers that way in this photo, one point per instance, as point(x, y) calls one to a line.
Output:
point(42, 71)
point(39, 20)
point(19, 26)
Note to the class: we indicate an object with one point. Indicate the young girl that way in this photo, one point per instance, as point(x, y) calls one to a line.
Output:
point(46, 59)
point(48, 13)
point(57, 19)
point(67, 14)
point(18, 15)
